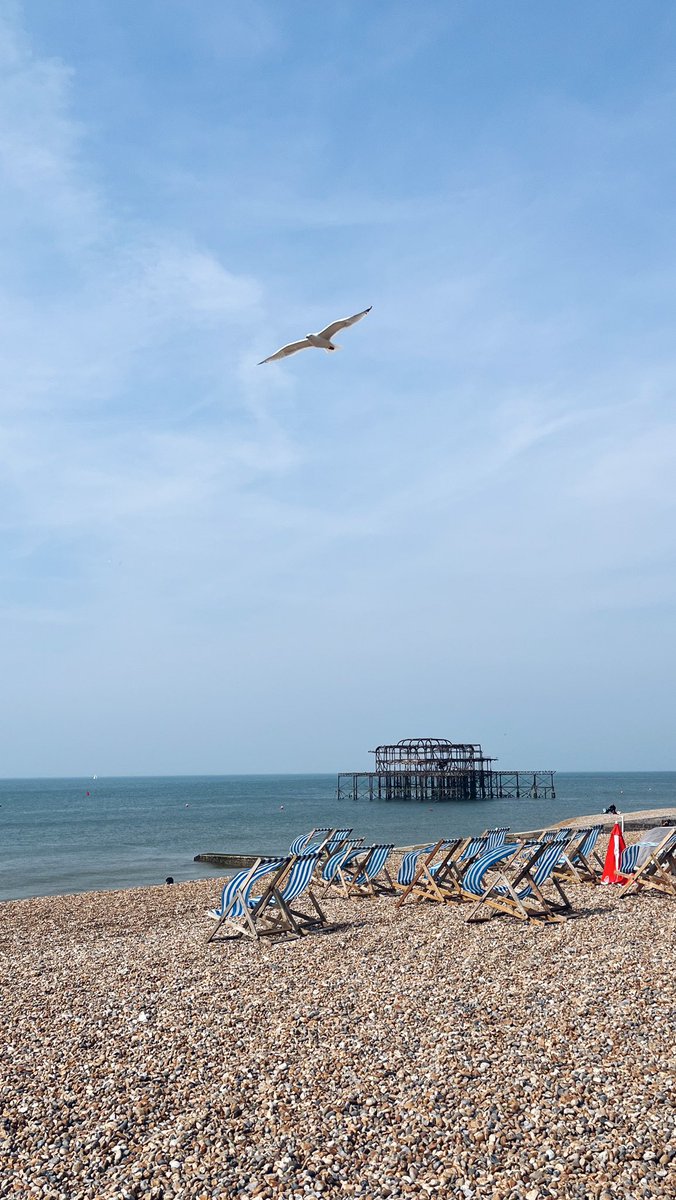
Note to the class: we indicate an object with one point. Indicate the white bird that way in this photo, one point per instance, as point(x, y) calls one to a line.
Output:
point(321, 340)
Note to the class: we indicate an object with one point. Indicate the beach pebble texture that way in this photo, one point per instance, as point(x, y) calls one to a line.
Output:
point(397, 1054)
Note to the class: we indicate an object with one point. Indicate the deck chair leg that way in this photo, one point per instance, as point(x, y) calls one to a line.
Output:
point(483, 900)
point(287, 912)
point(522, 912)
point(342, 884)
point(565, 902)
point(573, 868)
point(239, 897)
point(590, 874)
point(318, 910)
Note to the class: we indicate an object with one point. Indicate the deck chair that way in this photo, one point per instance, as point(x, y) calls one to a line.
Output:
point(438, 873)
point(472, 848)
point(409, 866)
point(338, 838)
point(340, 858)
point(495, 837)
point(652, 864)
point(472, 882)
point(554, 835)
point(302, 844)
point(237, 890)
point(518, 892)
point(273, 914)
point(575, 861)
point(326, 846)
point(366, 874)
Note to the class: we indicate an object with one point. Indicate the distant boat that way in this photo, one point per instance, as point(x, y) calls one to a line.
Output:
point(94, 776)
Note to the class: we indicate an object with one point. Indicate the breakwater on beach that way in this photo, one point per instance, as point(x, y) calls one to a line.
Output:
point(75, 835)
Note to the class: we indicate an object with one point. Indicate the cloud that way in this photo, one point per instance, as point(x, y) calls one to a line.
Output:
point(106, 324)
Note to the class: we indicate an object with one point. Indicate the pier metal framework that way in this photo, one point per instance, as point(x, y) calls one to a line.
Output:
point(432, 770)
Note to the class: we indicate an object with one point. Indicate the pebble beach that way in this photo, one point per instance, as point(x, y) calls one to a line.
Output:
point(400, 1053)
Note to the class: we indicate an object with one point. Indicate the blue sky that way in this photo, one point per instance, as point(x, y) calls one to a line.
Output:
point(461, 526)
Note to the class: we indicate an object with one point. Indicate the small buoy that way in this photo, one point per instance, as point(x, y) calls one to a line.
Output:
point(87, 793)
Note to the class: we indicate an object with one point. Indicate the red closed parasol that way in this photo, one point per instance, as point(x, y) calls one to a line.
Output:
point(611, 867)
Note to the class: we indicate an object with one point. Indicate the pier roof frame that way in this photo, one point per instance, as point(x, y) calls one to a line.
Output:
point(430, 754)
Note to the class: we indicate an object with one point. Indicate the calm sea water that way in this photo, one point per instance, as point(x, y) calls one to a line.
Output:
point(76, 835)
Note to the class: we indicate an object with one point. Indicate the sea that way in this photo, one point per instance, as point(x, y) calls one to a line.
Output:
point(60, 836)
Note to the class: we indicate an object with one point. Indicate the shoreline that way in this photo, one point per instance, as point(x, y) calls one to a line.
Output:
point(634, 821)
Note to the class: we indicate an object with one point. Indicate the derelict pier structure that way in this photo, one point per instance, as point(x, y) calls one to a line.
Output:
point(431, 770)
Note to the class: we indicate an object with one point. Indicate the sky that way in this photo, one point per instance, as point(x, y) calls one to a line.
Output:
point(463, 525)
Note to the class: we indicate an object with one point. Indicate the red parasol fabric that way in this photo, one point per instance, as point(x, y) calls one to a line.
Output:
point(611, 867)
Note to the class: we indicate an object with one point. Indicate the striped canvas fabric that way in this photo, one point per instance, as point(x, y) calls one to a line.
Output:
point(473, 878)
point(234, 885)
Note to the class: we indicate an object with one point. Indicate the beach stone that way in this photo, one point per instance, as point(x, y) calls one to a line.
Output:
point(403, 1054)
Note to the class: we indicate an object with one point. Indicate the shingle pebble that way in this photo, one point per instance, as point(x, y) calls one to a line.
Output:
point(400, 1054)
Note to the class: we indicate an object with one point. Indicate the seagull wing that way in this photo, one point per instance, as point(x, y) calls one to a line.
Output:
point(335, 326)
point(292, 348)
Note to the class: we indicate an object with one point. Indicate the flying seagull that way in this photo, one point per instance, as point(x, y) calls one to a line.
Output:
point(321, 340)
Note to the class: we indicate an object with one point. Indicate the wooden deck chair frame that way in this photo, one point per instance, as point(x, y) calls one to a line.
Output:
point(355, 868)
point(493, 837)
point(658, 872)
point(334, 842)
point(409, 864)
point(576, 865)
point(349, 850)
point(239, 899)
point(272, 915)
point(508, 901)
point(316, 847)
point(438, 875)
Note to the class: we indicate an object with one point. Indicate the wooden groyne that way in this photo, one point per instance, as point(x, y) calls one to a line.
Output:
point(642, 818)
point(230, 862)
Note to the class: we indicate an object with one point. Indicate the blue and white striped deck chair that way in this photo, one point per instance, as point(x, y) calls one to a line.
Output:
point(303, 844)
point(236, 894)
point(298, 844)
point(518, 893)
point(409, 865)
point(554, 835)
point(473, 880)
point(341, 858)
point(273, 914)
point(337, 839)
point(332, 840)
point(575, 862)
point(495, 837)
point(282, 917)
point(367, 874)
point(653, 863)
point(472, 848)
point(437, 873)
point(629, 859)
